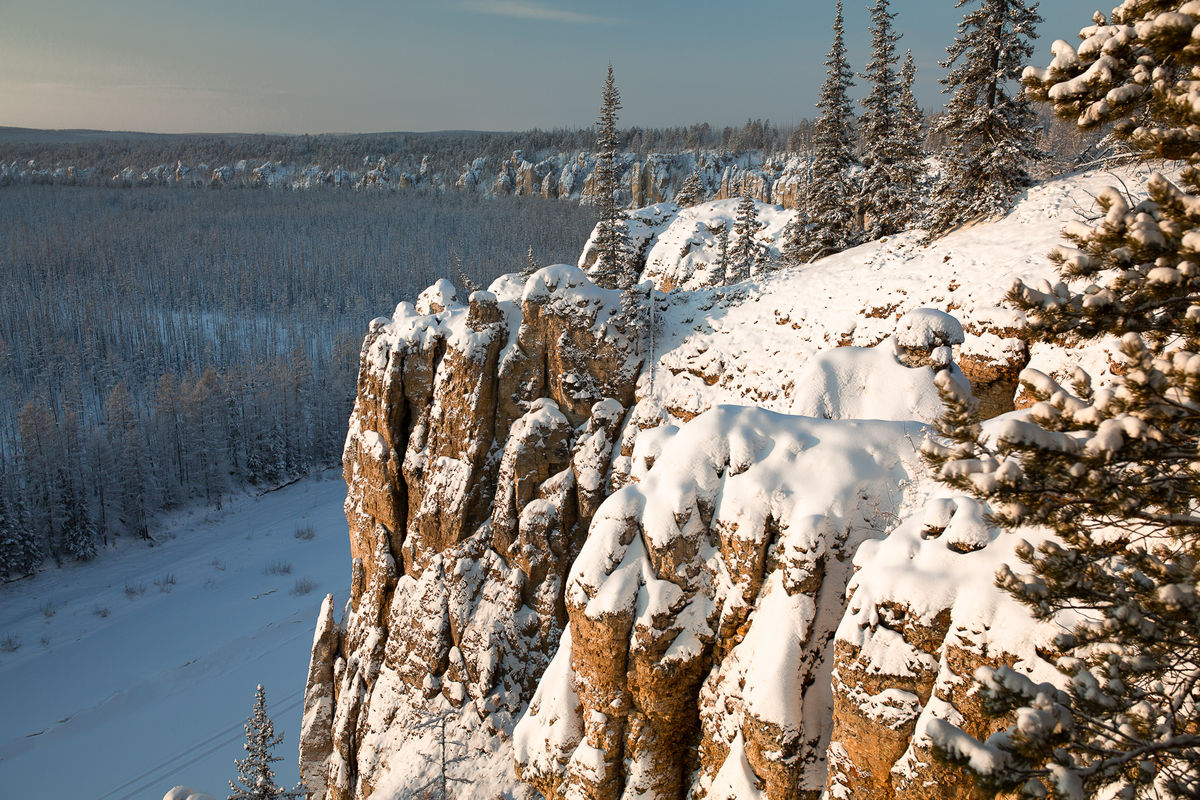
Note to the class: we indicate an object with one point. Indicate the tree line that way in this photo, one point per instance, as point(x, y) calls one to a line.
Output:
point(893, 167)
point(441, 152)
point(871, 174)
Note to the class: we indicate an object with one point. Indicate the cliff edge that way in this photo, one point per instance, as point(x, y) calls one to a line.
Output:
point(695, 556)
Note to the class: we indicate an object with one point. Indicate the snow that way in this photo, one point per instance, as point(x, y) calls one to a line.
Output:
point(773, 651)
point(928, 328)
point(139, 692)
point(867, 383)
point(685, 254)
point(555, 707)
point(980, 756)
point(928, 575)
point(735, 780)
point(745, 343)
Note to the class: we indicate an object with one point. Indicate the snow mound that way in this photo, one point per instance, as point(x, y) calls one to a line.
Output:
point(927, 328)
point(868, 383)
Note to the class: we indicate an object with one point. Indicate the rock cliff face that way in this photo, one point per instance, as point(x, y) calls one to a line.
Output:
point(702, 607)
point(721, 573)
point(922, 617)
point(476, 456)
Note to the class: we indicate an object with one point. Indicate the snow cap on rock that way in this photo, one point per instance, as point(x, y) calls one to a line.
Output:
point(927, 328)
point(437, 298)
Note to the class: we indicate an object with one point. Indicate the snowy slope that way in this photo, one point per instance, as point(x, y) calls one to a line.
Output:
point(743, 344)
point(154, 693)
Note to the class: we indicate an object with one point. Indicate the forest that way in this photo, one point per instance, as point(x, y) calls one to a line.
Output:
point(159, 347)
point(442, 151)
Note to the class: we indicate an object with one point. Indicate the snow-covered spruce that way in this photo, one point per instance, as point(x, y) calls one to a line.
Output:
point(828, 223)
point(1108, 466)
point(989, 123)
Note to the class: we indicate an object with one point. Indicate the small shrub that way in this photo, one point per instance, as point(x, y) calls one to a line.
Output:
point(10, 644)
point(48, 609)
point(101, 611)
point(45, 641)
point(279, 568)
point(165, 583)
point(305, 534)
point(303, 587)
point(133, 590)
point(217, 563)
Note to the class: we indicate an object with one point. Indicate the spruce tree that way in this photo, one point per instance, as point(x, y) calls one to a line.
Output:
point(79, 529)
point(881, 190)
point(255, 776)
point(909, 174)
point(833, 223)
point(20, 553)
point(748, 254)
point(690, 191)
point(724, 267)
point(989, 128)
point(72, 511)
point(612, 267)
point(1111, 471)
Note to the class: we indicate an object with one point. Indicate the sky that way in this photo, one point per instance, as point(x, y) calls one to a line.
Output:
point(315, 66)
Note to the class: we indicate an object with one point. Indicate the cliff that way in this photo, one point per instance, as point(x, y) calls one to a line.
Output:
point(479, 438)
point(698, 558)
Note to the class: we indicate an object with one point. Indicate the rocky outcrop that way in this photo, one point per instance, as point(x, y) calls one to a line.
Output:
point(684, 251)
point(923, 616)
point(656, 178)
point(673, 649)
point(315, 752)
point(704, 601)
point(701, 608)
point(477, 453)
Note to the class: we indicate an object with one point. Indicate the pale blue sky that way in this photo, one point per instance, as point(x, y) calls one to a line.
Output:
point(371, 65)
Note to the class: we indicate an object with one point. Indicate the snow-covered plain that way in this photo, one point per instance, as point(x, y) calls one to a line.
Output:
point(124, 688)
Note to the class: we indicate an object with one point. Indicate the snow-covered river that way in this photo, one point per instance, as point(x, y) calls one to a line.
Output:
point(127, 676)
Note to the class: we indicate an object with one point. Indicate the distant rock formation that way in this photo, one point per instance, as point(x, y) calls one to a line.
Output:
point(777, 179)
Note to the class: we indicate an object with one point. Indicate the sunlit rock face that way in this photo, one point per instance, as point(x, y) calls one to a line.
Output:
point(477, 454)
point(700, 558)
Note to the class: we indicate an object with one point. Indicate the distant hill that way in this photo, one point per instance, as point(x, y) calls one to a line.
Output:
point(42, 136)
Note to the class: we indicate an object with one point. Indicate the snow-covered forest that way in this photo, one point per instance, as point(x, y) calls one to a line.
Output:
point(475, 162)
point(159, 348)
